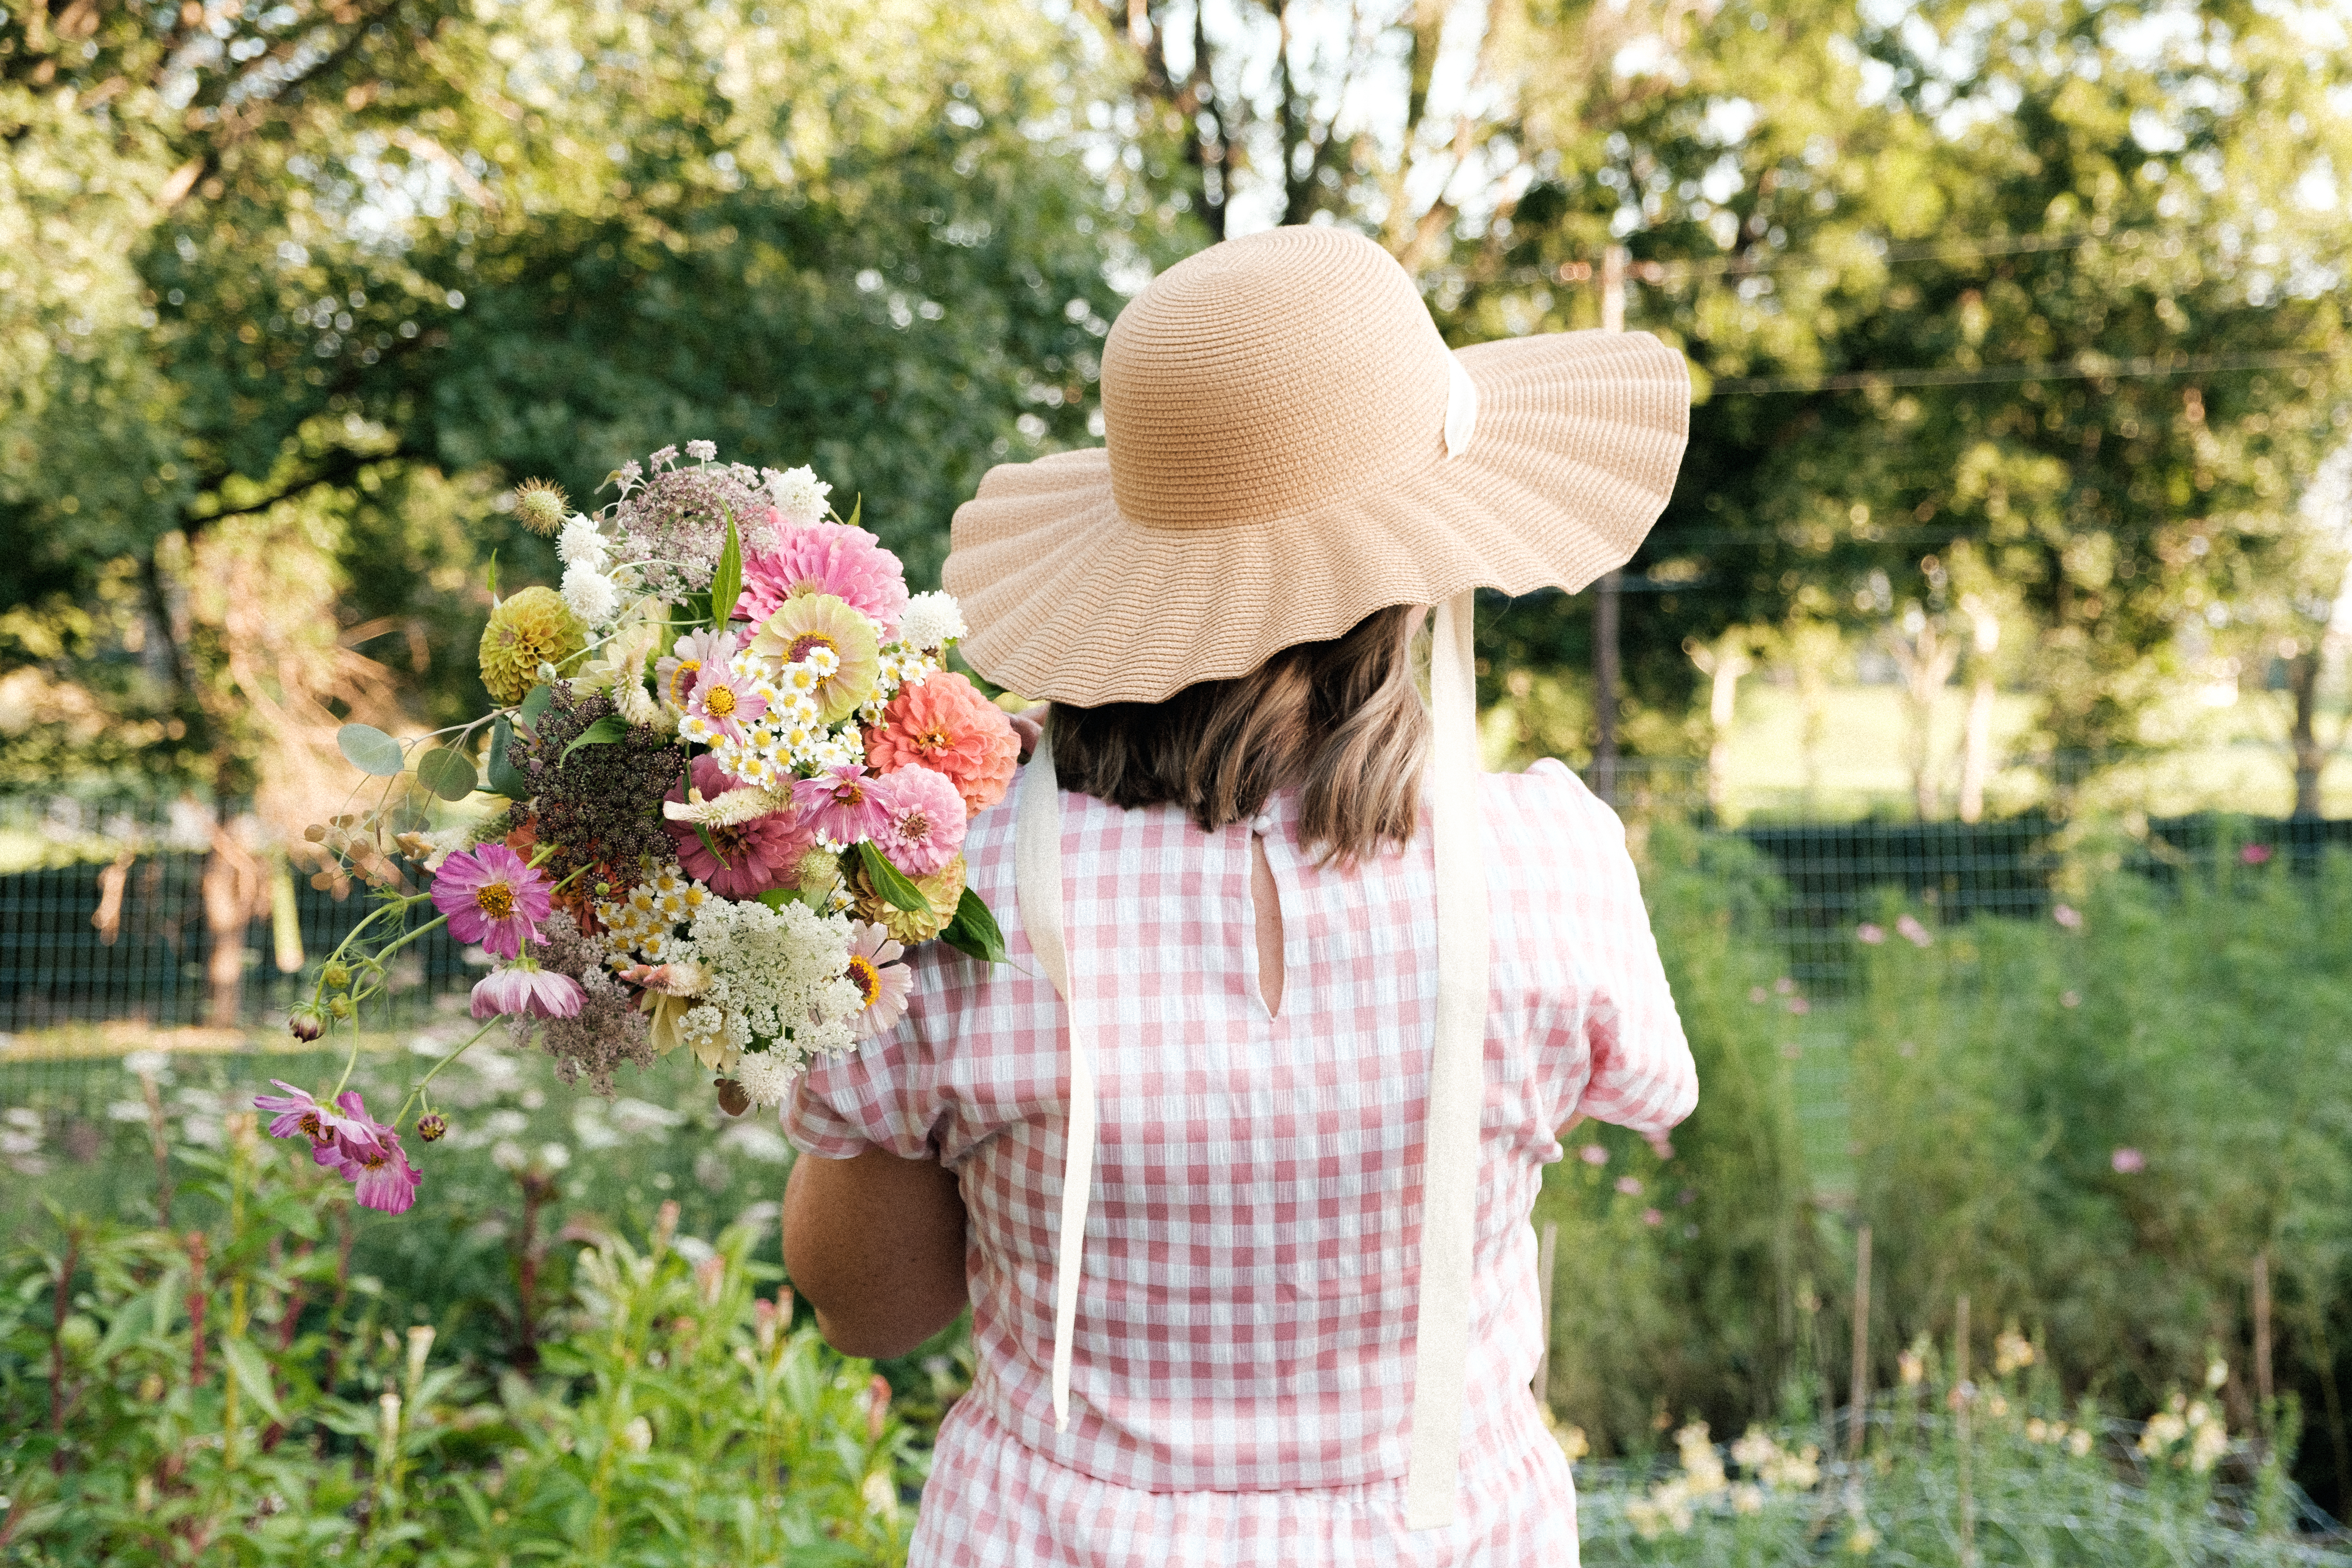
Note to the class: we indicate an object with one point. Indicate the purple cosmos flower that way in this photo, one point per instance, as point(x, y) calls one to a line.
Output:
point(2255, 854)
point(492, 897)
point(843, 804)
point(298, 1110)
point(369, 1156)
point(926, 820)
point(528, 989)
point(2127, 1162)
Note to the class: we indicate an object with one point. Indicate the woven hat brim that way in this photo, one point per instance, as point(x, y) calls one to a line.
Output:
point(1578, 440)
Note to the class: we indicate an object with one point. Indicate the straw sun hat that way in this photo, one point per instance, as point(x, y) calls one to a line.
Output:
point(1289, 446)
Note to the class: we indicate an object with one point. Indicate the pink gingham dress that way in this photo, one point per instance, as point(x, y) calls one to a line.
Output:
point(1242, 1385)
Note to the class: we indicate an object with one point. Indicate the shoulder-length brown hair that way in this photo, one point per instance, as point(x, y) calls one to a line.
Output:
point(1341, 720)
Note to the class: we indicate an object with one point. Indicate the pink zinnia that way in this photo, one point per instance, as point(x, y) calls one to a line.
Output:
point(677, 671)
point(742, 860)
point(491, 898)
point(842, 803)
point(927, 822)
point(824, 558)
point(527, 989)
point(943, 723)
point(880, 979)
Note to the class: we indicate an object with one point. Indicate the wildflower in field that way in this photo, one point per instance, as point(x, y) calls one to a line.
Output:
point(1630, 1185)
point(1651, 1216)
point(2127, 1162)
point(1785, 986)
point(849, 563)
point(1912, 932)
point(2255, 855)
point(882, 982)
point(1757, 996)
point(524, 989)
point(943, 723)
point(1911, 1366)
point(2070, 998)
point(492, 897)
point(2011, 1351)
point(1870, 933)
point(925, 820)
point(1593, 1154)
point(2067, 915)
point(1799, 1005)
point(1659, 1146)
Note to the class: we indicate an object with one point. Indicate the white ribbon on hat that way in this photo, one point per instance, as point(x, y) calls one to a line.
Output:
point(1456, 1076)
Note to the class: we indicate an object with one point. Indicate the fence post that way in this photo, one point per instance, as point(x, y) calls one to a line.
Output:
point(2263, 1342)
point(1963, 1396)
point(1858, 1399)
point(1547, 1265)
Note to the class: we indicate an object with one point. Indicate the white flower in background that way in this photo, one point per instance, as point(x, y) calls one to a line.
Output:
point(702, 451)
point(930, 620)
point(591, 594)
point(581, 543)
point(799, 494)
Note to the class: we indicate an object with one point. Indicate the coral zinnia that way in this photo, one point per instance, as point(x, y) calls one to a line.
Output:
point(824, 558)
point(492, 897)
point(882, 982)
point(744, 859)
point(943, 723)
point(815, 621)
point(926, 824)
point(527, 629)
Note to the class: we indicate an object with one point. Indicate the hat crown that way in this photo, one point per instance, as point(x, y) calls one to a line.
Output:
point(1268, 376)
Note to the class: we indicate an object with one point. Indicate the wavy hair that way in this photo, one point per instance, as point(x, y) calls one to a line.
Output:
point(1342, 721)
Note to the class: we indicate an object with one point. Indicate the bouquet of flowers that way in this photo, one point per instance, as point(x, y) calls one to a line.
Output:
point(722, 792)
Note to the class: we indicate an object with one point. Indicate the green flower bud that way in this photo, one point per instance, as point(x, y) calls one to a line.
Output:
point(339, 1005)
point(337, 976)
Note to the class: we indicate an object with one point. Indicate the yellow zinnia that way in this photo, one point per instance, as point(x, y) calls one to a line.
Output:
point(816, 621)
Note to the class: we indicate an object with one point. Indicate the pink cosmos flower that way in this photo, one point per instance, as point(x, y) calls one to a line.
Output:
point(1593, 1154)
point(2067, 915)
point(1914, 933)
point(1870, 933)
point(880, 979)
point(299, 1112)
point(2127, 1162)
point(744, 859)
point(1651, 1216)
point(492, 897)
point(677, 671)
point(824, 558)
point(925, 820)
point(527, 989)
point(1630, 1185)
point(2255, 855)
point(1799, 1005)
point(842, 803)
point(724, 700)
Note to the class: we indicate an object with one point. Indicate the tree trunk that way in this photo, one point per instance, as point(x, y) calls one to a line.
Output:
point(233, 889)
point(2310, 756)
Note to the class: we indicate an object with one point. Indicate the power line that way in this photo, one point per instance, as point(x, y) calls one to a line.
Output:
point(2083, 368)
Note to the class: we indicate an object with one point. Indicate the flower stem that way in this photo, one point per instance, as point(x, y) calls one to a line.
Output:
point(417, 1091)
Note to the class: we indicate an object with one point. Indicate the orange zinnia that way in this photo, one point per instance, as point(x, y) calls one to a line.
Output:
point(943, 723)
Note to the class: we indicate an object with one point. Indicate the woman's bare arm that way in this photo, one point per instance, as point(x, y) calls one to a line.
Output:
point(876, 1244)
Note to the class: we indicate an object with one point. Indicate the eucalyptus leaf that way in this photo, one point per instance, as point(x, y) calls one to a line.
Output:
point(534, 704)
point(505, 777)
point(603, 732)
point(371, 750)
point(974, 930)
point(727, 580)
point(892, 882)
point(447, 773)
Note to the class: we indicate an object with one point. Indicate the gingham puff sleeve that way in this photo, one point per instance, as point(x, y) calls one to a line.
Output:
point(1617, 1019)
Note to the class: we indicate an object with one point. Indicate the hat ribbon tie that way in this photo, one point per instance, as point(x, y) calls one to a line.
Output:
point(1460, 406)
point(1456, 1080)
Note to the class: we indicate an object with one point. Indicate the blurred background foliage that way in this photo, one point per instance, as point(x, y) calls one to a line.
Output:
point(2017, 327)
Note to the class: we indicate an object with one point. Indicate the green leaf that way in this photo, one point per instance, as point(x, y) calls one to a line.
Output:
point(534, 704)
point(494, 577)
point(603, 732)
point(702, 831)
point(856, 509)
point(371, 750)
point(447, 773)
point(727, 580)
point(505, 777)
point(974, 930)
point(892, 882)
point(252, 1374)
